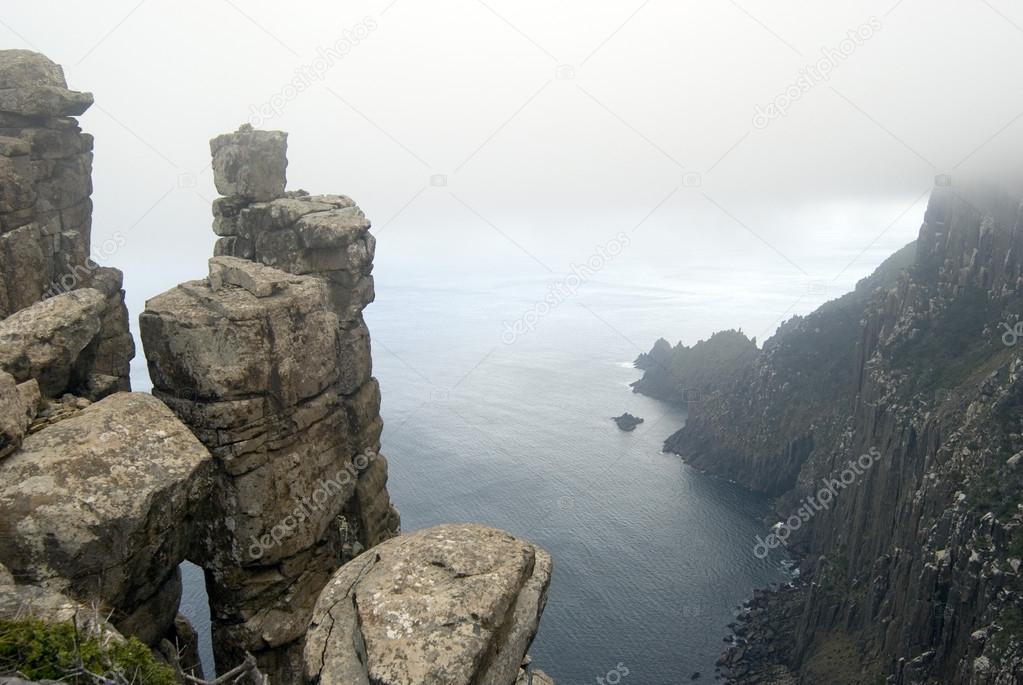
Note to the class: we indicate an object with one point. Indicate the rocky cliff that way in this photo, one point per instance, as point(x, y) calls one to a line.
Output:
point(887, 424)
point(257, 455)
point(268, 361)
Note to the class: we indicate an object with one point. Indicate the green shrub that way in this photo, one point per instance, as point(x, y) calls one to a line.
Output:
point(40, 650)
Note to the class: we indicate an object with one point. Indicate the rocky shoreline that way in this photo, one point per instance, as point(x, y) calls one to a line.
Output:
point(910, 568)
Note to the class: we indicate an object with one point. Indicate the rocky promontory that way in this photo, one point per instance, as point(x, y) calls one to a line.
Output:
point(903, 400)
point(256, 457)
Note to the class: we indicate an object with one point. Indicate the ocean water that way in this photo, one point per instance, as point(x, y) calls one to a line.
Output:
point(651, 556)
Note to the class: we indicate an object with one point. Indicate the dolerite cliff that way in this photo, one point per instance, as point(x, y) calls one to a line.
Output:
point(888, 424)
point(255, 457)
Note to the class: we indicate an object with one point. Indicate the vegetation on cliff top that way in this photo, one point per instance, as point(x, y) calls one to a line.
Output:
point(59, 651)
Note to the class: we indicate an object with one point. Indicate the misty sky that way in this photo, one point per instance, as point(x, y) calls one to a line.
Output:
point(518, 135)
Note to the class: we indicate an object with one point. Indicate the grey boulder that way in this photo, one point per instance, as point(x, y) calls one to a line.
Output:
point(452, 605)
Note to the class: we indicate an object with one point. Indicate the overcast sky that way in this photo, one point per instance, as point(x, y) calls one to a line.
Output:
point(526, 132)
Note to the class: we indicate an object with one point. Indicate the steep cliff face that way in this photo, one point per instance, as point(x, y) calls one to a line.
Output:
point(888, 426)
point(96, 484)
point(46, 216)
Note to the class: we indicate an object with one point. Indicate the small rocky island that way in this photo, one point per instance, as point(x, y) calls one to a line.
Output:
point(627, 422)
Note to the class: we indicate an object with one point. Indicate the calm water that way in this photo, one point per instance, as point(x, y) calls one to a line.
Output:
point(651, 557)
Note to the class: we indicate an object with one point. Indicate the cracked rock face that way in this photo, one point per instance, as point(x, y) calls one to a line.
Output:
point(95, 506)
point(18, 405)
point(451, 605)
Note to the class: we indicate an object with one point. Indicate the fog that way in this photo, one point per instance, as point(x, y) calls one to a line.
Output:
point(790, 138)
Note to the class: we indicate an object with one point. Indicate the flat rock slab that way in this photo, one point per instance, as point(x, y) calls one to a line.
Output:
point(247, 331)
point(451, 605)
point(96, 506)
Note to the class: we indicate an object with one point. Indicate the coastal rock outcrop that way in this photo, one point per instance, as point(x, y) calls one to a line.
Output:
point(46, 227)
point(94, 495)
point(256, 456)
point(903, 399)
point(454, 604)
point(98, 506)
point(268, 361)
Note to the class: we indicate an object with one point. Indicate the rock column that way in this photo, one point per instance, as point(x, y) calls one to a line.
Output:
point(46, 217)
point(268, 361)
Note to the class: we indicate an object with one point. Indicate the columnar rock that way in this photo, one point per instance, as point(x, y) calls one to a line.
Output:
point(268, 361)
point(904, 398)
point(46, 213)
point(451, 605)
point(96, 498)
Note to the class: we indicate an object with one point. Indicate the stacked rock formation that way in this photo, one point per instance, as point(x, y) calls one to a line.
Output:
point(274, 357)
point(96, 485)
point(258, 456)
point(45, 230)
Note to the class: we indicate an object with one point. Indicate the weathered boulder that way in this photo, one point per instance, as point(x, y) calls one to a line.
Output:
point(250, 164)
point(45, 341)
point(27, 69)
point(14, 416)
point(96, 506)
point(451, 605)
point(322, 235)
point(247, 331)
point(33, 86)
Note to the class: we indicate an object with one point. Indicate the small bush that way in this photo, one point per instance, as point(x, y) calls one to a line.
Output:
point(54, 651)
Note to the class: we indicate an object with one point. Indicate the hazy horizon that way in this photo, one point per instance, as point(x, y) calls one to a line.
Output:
point(514, 138)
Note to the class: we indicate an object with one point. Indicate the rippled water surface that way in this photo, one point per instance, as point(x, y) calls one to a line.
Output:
point(651, 556)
